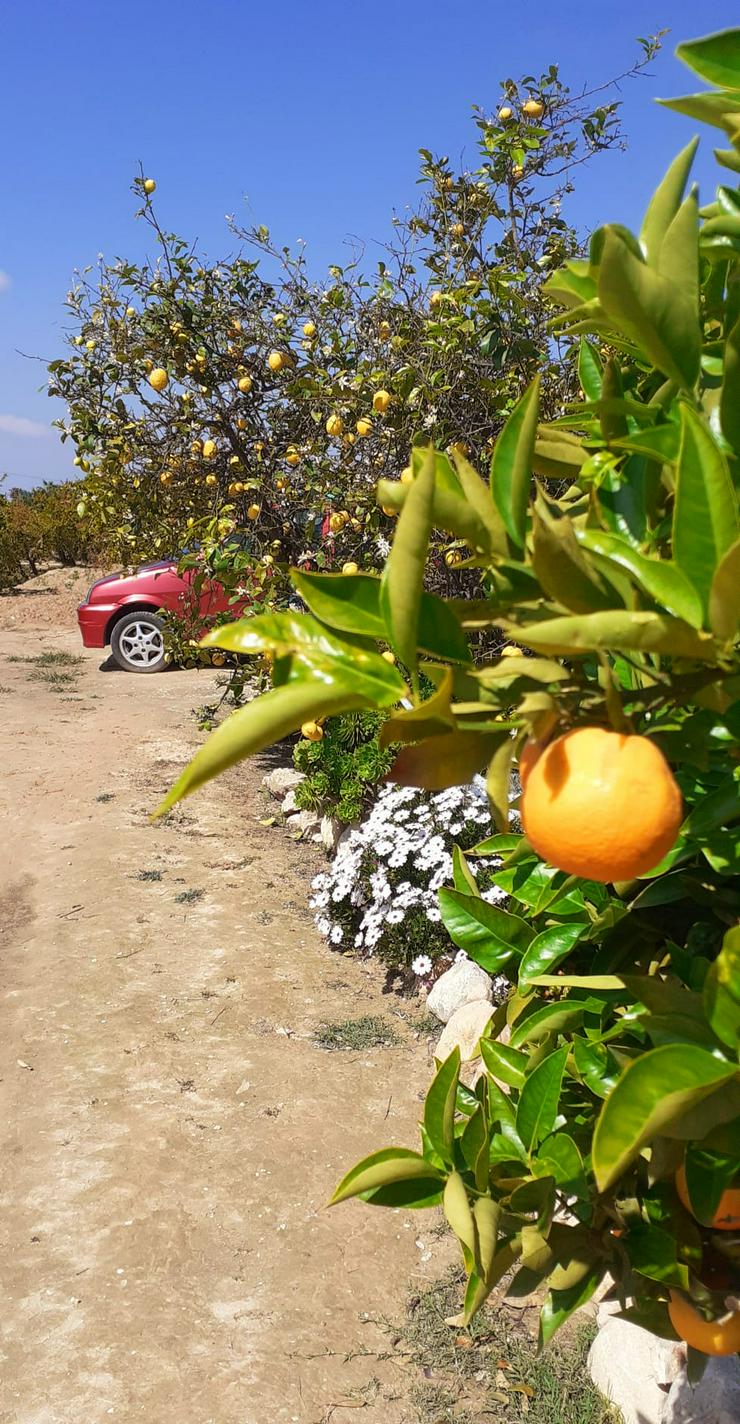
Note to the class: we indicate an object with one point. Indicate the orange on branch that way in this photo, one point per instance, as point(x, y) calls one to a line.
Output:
point(727, 1215)
point(602, 805)
point(711, 1337)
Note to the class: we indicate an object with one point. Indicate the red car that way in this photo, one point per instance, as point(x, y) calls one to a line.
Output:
point(122, 610)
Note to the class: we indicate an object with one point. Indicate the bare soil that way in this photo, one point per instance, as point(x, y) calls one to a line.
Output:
point(170, 1131)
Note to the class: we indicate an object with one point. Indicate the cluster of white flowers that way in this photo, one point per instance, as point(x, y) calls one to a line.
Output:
point(388, 871)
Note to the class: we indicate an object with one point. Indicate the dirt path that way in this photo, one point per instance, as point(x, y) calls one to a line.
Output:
point(170, 1129)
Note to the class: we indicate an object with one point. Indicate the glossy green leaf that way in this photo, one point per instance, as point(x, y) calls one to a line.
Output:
point(350, 603)
point(391, 1164)
point(660, 579)
point(724, 594)
point(557, 454)
point(463, 876)
point(708, 1174)
point(649, 632)
point(722, 991)
point(500, 1260)
point(441, 761)
point(612, 408)
point(651, 1094)
point(596, 1065)
point(539, 1099)
point(651, 310)
point(402, 584)
point(666, 202)
point(560, 566)
point(511, 464)
point(560, 1305)
point(559, 1155)
point(715, 57)
point(497, 782)
point(571, 285)
point(552, 1018)
point(657, 442)
point(478, 496)
point(506, 1064)
point(678, 257)
point(439, 1107)
point(488, 934)
point(546, 950)
point(729, 401)
point(705, 521)
point(312, 651)
point(716, 107)
point(456, 1207)
point(431, 718)
point(450, 512)
point(652, 1252)
point(590, 370)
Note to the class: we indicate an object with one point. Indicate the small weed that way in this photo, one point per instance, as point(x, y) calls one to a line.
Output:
point(55, 658)
point(6, 689)
point(189, 897)
point(492, 1369)
point(367, 1032)
point(55, 681)
point(148, 874)
point(105, 796)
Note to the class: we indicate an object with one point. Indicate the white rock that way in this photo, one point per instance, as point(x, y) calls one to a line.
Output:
point(714, 1400)
point(281, 780)
point(464, 1029)
point(329, 830)
point(306, 822)
point(347, 832)
point(289, 804)
point(634, 1369)
point(464, 983)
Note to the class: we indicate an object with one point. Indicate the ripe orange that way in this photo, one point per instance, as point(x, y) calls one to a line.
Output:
point(602, 805)
point(727, 1215)
point(712, 1337)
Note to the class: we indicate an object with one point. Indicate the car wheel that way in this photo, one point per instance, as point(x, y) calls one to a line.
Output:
point(137, 642)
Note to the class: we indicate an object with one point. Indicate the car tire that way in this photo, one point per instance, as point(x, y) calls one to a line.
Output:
point(137, 642)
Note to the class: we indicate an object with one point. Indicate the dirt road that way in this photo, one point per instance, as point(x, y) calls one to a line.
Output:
point(170, 1129)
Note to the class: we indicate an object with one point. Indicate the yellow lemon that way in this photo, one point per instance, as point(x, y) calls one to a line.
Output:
point(390, 512)
point(457, 229)
point(245, 384)
point(218, 659)
point(211, 480)
point(209, 449)
point(510, 651)
point(504, 113)
point(364, 426)
point(276, 360)
point(517, 171)
point(350, 568)
point(407, 476)
point(388, 656)
point(130, 311)
point(534, 109)
point(334, 425)
point(381, 401)
point(384, 330)
point(309, 329)
point(336, 523)
point(292, 457)
point(149, 186)
point(89, 345)
point(253, 512)
point(312, 731)
point(435, 298)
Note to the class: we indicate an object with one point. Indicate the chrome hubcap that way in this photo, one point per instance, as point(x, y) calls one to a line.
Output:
point(142, 643)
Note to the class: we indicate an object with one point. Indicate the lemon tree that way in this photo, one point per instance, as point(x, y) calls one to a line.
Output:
point(248, 391)
point(604, 1131)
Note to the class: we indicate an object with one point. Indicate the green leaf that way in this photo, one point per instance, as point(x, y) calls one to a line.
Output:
point(571, 285)
point(596, 1066)
point(725, 594)
point(557, 454)
point(448, 760)
point(478, 496)
point(561, 568)
point(488, 934)
point(610, 629)
point(391, 1164)
point(511, 464)
point(546, 950)
point(590, 370)
point(450, 512)
point(459, 1216)
point(463, 876)
point(431, 718)
point(439, 1108)
point(657, 442)
point(722, 991)
point(560, 1156)
point(652, 1252)
point(350, 603)
point(729, 401)
point(560, 1305)
point(660, 579)
point(497, 782)
point(705, 510)
point(311, 651)
point(265, 720)
point(666, 202)
point(506, 1064)
point(708, 1175)
point(552, 1018)
point(539, 1098)
point(486, 1214)
point(403, 579)
point(650, 309)
point(654, 1090)
point(715, 57)
point(717, 107)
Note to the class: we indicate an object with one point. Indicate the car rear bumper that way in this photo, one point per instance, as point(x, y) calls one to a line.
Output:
point(93, 623)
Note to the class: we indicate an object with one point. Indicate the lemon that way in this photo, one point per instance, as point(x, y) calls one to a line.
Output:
point(364, 426)
point(309, 329)
point(89, 345)
point(149, 186)
point(245, 384)
point(350, 568)
point(209, 450)
point(407, 476)
point(458, 229)
point(504, 113)
point(130, 311)
point(381, 401)
point(334, 425)
point(218, 659)
point(388, 656)
point(517, 171)
point(336, 523)
point(534, 109)
point(384, 330)
point(254, 511)
point(292, 457)
point(211, 480)
point(312, 731)
point(435, 298)
point(276, 360)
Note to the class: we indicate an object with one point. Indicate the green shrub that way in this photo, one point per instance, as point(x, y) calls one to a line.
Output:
point(342, 769)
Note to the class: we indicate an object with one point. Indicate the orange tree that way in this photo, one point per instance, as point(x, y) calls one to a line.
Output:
point(603, 1136)
point(245, 391)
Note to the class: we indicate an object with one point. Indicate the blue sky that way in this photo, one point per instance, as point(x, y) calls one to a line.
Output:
point(305, 115)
